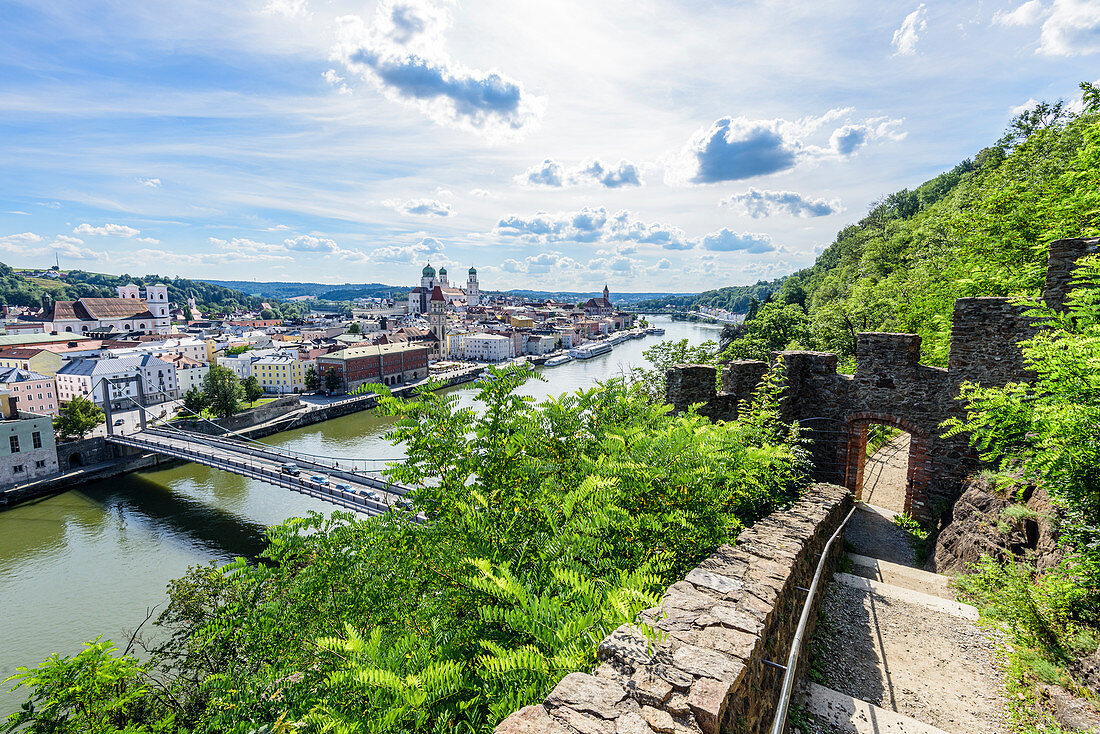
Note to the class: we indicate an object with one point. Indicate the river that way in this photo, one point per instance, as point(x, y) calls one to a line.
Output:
point(93, 560)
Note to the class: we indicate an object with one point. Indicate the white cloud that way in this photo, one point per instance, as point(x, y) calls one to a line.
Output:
point(725, 240)
point(737, 148)
point(107, 230)
point(23, 238)
point(906, 37)
point(421, 207)
point(408, 253)
point(552, 174)
point(337, 81)
point(1027, 14)
point(482, 193)
point(288, 8)
point(1073, 29)
point(147, 240)
point(597, 225)
point(153, 183)
point(1020, 108)
point(401, 52)
point(323, 246)
point(756, 204)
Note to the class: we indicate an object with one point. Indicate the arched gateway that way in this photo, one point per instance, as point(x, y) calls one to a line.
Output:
point(891, 387)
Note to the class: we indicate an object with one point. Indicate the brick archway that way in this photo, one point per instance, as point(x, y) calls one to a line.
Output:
point(853, 457)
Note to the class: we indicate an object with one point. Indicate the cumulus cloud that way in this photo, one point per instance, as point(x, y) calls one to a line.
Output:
point(597, 225)
point(664, 264)
point(756, 204)
point(322, 245)
point(591, 225)
point(401, 52)
point(481, 193)
point(23, 238)
point(906, 37)
point(1072, 29)
point(408, 253)
point(26, 244)
point(1027, 14)
point(552, 174)
point(288, 8)
point(153, 183)
point(421, 207)
point(737, 148)
point(336, 80)
point(107, 230)
point(725, 240)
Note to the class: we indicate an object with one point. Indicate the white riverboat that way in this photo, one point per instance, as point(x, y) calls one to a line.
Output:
point(655, 330)
point(560, 359)
point(588, 351)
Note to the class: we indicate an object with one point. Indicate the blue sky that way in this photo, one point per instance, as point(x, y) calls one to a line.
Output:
point(658, 146)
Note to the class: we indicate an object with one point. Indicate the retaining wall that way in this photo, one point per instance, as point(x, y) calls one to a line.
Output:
point(736, 610)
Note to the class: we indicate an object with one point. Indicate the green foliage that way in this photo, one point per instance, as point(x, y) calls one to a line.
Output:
point(195, 401)
point(312, 379)
point(252, 389)
point(354, 328)
point(774, 327)
point(223, 391)
point(77, 418)
point(93, 691)
point(240, 349)
point(545, 526)
point(333, 381)
point(917, 536)
point(662, 357)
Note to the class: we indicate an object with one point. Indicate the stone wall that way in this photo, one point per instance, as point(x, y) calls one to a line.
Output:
point(76, 454)
point(246, 418)
point(718, 630)
point(891, 387)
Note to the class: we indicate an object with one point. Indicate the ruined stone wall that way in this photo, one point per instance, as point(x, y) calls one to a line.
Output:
point(707, 671)
point(891, 387)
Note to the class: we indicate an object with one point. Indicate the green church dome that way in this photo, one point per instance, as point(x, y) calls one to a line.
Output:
point(473, 271)
point(429, 271)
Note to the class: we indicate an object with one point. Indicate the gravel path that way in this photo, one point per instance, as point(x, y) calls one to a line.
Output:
point(884, 475)
point(870, 533)
point(931, 666)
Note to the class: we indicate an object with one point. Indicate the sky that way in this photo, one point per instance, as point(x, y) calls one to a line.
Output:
point(554, 144)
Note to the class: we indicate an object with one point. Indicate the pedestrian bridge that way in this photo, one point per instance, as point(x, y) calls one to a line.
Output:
point(371, 495)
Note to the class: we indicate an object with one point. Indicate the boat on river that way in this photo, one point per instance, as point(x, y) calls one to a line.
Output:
point(560, 359)
point(655, 330)
point(588, 351)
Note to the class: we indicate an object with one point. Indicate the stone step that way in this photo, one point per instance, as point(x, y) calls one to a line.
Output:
point(903, 576)
point(859, 717)
point(890, 591)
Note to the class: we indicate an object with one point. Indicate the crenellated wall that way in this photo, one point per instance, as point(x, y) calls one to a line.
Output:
point(720, 628)
point(891, 387)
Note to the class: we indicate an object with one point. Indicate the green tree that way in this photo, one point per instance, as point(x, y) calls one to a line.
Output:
point(267, 314)
point(354, 328)
point(333, 381)
point(223, 390)
point(312, 379)
point(253, 391)
point(77, 418)
point(195, 401)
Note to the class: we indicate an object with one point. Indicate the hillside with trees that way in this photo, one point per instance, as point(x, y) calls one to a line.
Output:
point(25, 288)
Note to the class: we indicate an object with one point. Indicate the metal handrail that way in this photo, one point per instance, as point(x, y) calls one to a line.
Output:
point(780, 720)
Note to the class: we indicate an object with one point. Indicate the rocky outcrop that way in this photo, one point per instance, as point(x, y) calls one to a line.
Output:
point(981, 526)
point(698, 663)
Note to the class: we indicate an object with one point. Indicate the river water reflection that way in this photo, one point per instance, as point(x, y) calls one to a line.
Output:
point(93, 560)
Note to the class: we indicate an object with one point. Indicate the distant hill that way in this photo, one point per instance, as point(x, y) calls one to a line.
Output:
point(25, 288)
point(350, 291)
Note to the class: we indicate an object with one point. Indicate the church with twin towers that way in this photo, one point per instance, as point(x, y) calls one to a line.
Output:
point(420, 296)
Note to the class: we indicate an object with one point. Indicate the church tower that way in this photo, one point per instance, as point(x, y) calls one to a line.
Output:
point(473, 294)
point(606, 294)
point(443, 278)
point(437, 317)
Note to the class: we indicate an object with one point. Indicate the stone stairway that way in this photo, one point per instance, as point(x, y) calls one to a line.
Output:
point(893, 651)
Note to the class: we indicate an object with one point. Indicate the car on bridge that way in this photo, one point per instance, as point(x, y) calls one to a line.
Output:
point(342, 487)
point(319, 479)
point(373, 495)
point(291, 469)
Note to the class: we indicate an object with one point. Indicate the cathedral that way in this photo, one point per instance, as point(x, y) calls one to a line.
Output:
point(420, 297)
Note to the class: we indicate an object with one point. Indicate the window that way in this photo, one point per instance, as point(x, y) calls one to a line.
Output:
point(36, 440)
point(17, 469)
point(40, 464)
point(13, 442)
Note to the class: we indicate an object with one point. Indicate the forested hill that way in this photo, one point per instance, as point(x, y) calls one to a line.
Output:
point(981, 229)
point(25, 288)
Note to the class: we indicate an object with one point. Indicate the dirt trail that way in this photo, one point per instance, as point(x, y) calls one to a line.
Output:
point(884, 475)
